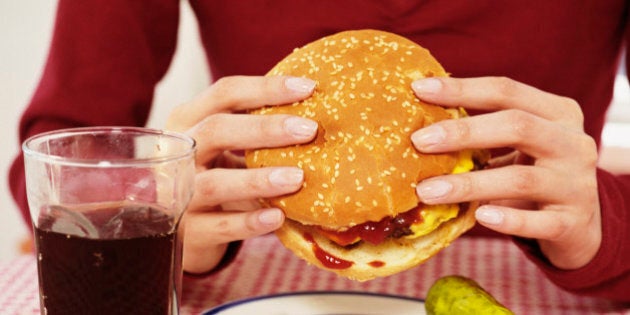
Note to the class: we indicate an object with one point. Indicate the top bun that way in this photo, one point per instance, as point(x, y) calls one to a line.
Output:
point(362, 165)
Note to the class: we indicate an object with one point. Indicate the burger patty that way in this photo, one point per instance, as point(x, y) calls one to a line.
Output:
point(376, 232)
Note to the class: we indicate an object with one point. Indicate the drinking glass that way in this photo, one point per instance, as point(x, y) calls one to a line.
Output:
point(106, 204)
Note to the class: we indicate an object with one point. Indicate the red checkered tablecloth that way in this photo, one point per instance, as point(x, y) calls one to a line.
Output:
point(265, 267)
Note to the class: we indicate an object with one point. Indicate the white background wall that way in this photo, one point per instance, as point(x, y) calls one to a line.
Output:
point(25, 29)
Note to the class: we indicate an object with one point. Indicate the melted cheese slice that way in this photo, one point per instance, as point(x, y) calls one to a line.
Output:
point(434, 215)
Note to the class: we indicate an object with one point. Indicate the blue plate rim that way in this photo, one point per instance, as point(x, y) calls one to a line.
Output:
point(235, 303)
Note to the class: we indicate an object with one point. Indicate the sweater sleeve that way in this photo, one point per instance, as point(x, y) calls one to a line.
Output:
point(608, 274)
point(104, 61)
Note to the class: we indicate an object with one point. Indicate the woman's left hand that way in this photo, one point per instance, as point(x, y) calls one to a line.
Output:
point(545, 189)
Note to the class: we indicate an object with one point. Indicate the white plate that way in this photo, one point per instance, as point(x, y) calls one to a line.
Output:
point(323, 303)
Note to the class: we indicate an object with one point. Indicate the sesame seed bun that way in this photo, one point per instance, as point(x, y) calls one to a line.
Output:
point(362, 166)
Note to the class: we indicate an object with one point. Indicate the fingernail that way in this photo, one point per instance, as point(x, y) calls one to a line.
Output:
point(300, 127)
point(433, 189)
point(286, 176)
point(489, 215)
point(300, 85)
point(427, 86)
point(270, 216)
point(428, 136)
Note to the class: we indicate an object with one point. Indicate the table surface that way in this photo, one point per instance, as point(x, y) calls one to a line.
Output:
point(265, 267)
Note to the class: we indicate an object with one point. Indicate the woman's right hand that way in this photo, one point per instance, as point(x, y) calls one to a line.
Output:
point(224, 207)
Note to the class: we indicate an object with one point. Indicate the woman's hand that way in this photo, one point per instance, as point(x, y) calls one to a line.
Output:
point(223, 208)
point(545, 189)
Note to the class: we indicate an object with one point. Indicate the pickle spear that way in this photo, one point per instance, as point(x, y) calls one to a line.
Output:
point(457, 295)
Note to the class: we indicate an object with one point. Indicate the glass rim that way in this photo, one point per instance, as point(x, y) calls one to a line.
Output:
point(89, 162)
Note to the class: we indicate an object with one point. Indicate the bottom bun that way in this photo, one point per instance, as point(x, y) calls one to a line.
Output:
point(365, 261)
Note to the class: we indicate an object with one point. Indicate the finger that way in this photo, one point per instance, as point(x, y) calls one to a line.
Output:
point(554, 230)
point(220, 132)
point(237, 93)
point(206, 232)
point(216, 186)
point(496, 93)
point(511, 182)
point(224, 227)
point(514, 157)
point(517, 129)
point(504, 160)
point(545, 225)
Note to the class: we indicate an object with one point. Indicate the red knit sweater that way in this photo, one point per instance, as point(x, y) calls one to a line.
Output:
point(107, 56)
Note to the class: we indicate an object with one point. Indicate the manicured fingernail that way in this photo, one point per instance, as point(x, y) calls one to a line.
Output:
point(428, 136)
point(270, 216)
point(300, 85)
point(286, 176)
point(300, 127)
point(433, 189)
point(489, 215)
point(427, 86)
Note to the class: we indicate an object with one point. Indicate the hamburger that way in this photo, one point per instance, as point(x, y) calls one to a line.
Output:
point(357, 213)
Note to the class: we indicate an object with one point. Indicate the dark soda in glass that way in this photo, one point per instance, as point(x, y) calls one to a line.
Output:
point(109, 259)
